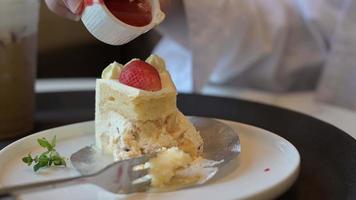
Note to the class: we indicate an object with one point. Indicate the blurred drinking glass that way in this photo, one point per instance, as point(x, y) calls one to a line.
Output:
point(18, 60)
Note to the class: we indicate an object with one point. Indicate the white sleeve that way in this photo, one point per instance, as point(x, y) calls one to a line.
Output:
point(221, 33)
point(264, 43)
point(338, 83)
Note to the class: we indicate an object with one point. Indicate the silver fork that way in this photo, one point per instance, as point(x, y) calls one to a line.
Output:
point(119, 177)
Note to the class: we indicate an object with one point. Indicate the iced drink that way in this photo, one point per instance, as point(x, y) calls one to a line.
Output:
point(18, 56)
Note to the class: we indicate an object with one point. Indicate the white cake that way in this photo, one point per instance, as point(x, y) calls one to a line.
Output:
point(130, 122)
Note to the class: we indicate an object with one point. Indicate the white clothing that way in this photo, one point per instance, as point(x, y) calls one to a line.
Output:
point(275, 45)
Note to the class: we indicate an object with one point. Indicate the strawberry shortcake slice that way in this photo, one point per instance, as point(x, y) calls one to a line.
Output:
point(136, 112)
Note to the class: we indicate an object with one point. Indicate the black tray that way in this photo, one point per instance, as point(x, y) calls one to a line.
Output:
point(328, 155)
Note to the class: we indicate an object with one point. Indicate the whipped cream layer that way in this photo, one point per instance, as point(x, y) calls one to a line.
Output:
point(133, 104)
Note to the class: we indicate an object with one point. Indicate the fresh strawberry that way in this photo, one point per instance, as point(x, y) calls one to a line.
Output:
point(141, 75)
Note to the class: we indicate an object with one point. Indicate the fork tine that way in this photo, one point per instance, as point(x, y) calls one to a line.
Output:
point(135, 174)
point(141, 186)
point(140, 160)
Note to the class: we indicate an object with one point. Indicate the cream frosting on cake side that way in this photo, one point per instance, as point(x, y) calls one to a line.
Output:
point(130, 122)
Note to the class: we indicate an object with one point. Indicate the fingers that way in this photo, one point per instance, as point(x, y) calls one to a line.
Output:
point(76, 6)
point(165, 5)
point(60, 8)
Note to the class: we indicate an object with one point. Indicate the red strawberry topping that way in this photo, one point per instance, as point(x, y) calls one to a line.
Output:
point(141, 75)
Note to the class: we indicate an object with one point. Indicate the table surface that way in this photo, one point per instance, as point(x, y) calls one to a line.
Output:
point(328, 153)
point(303, 101)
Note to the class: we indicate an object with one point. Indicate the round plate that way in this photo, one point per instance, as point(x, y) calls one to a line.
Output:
point(266, 167)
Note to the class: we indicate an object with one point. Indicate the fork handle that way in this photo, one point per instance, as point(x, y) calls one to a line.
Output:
point(45, 185)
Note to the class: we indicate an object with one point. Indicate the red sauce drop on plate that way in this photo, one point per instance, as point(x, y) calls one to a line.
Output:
point(267, 170)
point(132, 12)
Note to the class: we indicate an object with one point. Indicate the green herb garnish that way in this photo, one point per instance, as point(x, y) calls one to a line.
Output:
point(47, 159)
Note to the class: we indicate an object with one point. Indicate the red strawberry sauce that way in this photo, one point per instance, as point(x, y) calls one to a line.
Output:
point(132, 12)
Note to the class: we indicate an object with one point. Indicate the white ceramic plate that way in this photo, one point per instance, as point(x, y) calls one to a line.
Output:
point(266, 167)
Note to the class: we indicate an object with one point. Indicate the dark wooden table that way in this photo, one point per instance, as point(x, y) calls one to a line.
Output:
point(328, 155)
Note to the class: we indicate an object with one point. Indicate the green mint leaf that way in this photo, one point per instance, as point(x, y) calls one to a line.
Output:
point(54, 153)
point(28, 160)
point(36, 167)
point(42, 162)
point(53, 143)
point(57, 163)
point(64, 162)
point(47, 158)
point(57, 160)
point(45, 144)
point(55, 157)
point(43, 159)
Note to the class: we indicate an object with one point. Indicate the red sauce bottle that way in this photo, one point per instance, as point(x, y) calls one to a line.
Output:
point(132, 12)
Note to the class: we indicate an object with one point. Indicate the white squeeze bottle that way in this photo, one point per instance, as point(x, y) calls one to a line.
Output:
point(117, 22)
